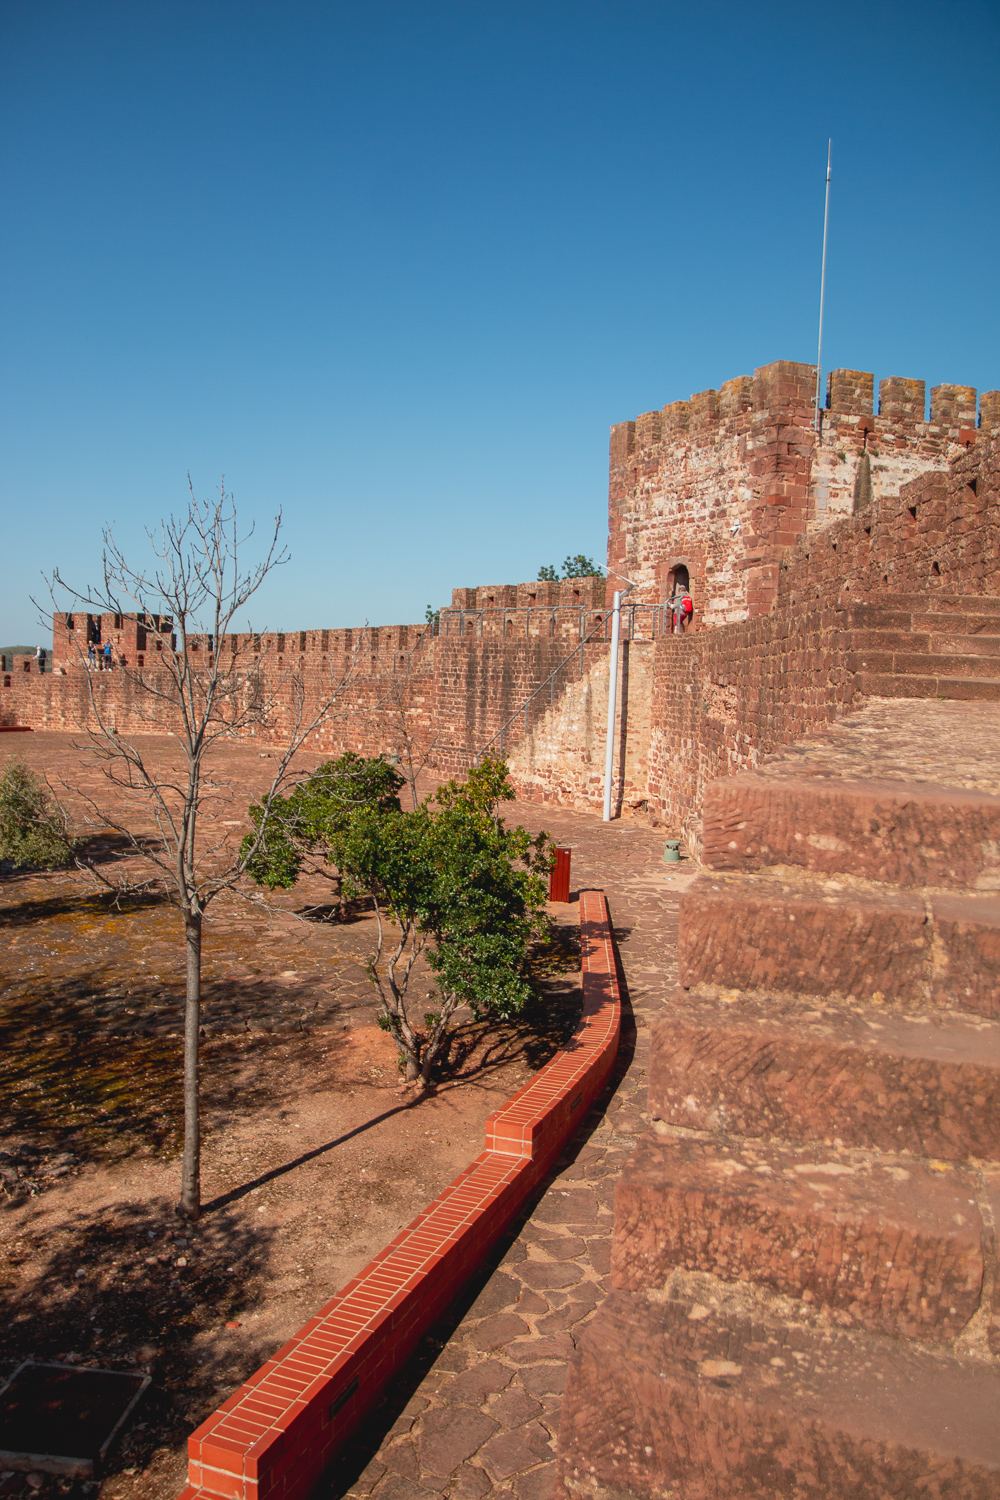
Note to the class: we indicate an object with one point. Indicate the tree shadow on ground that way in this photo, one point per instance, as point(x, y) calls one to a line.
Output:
point(83, 1074)
point(90, 904)
point(336, 913)
point(127, 1287)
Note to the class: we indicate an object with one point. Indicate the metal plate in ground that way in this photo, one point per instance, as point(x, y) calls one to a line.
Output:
point(63, 1419)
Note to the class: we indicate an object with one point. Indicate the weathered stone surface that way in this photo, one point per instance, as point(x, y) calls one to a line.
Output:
point(492, 1333)
point(544, 1379)
point(755, 933)
point(726, 1408)
point(967, 951)
point(512, 1452)
point(918, 1082)
point(536, 1484)
point(499, 1292)
point(904, 833)
point(449, 1437)
point(551, 1273)
point(514, 1408)
point(897, 1246)
point(567, 1206)
point(473, 1386)
point(469, 1483)
point(554, 1346)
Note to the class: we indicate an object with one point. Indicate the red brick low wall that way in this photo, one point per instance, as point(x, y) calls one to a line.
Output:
point(276, 1434)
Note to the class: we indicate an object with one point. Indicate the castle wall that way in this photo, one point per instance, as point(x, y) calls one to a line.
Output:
point(724, 482)
point(732, 484)
point(561, 759)
point(722, 699)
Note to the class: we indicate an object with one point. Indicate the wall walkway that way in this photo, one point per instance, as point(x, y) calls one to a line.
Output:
point(277, 1433)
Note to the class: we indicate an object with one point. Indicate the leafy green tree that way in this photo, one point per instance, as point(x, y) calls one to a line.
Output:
point(33, 826)
point(306, 829)
point(581, 567)
point(448, 879)
point(573, 567)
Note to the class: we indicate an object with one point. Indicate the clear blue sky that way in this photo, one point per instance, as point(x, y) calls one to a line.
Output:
point(397, 267)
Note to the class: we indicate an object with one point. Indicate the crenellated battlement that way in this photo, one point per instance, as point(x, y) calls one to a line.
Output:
point(712, 490)
point(774, 391)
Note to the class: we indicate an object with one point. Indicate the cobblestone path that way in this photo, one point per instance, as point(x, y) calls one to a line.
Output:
point(477, 1411)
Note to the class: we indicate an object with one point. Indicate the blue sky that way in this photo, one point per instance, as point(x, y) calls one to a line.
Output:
point(397, 267)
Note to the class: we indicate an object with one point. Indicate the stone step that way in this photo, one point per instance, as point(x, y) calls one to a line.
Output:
point(776, 1068)
point(872, 620)
point(923, 663)
point(981, 644)
point(832, 938)
point(892, 1247)
point(684, 1399)
point(901, 832)
point(971, 620)
point(933, 603)
point(900, 685)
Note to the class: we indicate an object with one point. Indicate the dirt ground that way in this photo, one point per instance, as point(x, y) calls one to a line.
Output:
point(313, 1154)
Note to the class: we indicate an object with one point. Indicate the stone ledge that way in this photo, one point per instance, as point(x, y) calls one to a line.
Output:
point(684, 1398)
point(771, 1067)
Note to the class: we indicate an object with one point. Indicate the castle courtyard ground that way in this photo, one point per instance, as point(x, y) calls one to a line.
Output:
point(477, 1411)
point(313, 1158)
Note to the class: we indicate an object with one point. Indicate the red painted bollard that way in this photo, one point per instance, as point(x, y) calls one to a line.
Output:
point(559, 879)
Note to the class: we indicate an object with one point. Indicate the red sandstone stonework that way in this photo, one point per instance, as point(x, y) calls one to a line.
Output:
point(758, 1065)
point(804, 1248)
point(677, 1398)
point(895, 1244)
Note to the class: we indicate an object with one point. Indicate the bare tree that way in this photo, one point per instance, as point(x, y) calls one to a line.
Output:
point(208, 686)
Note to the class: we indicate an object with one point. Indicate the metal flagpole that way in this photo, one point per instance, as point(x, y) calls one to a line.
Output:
point(822, 284)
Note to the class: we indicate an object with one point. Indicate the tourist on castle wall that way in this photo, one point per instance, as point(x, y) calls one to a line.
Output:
point(107, 656)
point(682, 608)
point(91, 656)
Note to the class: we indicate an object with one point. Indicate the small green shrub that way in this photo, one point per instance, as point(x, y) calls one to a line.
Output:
point(33, 826)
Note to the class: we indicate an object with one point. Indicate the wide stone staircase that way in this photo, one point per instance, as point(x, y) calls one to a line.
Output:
point(806, 1297)
point(928, 646)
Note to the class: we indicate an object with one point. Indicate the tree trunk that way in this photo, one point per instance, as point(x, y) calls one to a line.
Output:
point(190, 1204)
point(412, 1070)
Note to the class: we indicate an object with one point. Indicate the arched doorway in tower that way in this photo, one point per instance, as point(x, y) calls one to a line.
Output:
point(678, 584)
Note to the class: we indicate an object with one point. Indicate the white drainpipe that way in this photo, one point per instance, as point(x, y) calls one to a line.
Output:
point(609, 753)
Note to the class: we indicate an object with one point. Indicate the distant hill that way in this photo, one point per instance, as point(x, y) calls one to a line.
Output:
point(18, 650)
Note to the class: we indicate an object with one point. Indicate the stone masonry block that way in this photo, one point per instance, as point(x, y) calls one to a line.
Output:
point(622, 442)
point(902, 833)
point(647, 429)
point(736, 396)
point(675, 418)
point(989, 411)
point(784, 383)
point(925, 1083)
point(680, 1399)
point(754, 933)
point(704, 411)
point(953, 406)
point(850, 392)
point(897, 1247)
point(902, 401)
point(967, 953)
